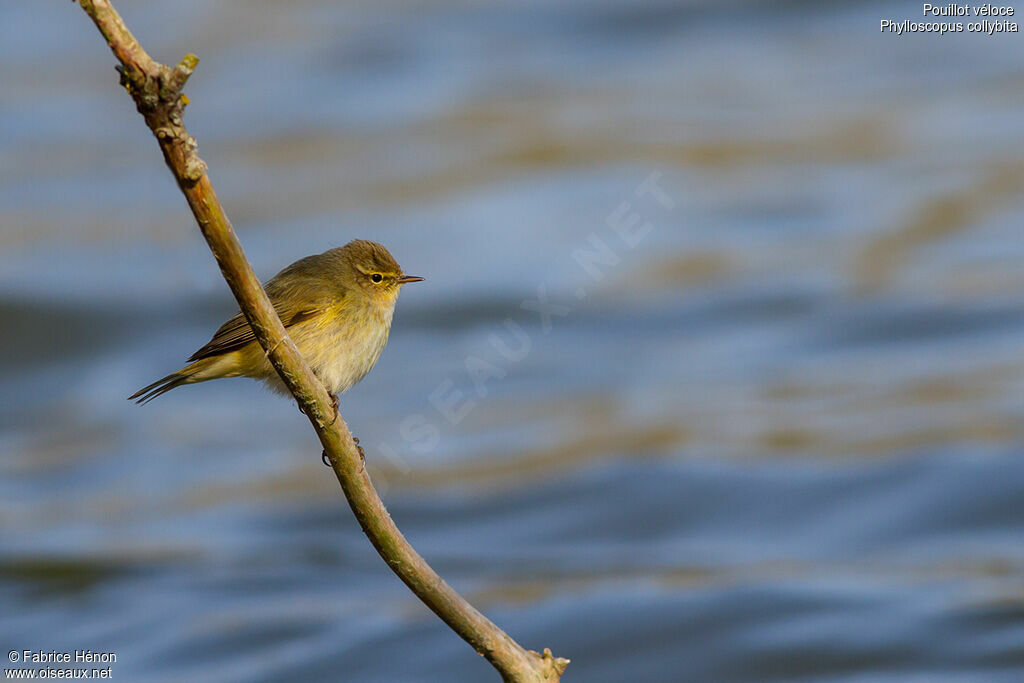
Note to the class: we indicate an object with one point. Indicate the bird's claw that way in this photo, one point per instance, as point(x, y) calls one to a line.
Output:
point(334, 404)
point(362, 454)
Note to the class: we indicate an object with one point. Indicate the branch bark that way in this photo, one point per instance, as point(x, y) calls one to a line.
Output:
point(156, 90)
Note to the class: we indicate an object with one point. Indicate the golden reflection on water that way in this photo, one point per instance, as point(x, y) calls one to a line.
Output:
point(777, 572)
point(947, 213)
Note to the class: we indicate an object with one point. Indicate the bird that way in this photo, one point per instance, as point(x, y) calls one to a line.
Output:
point(337, 307)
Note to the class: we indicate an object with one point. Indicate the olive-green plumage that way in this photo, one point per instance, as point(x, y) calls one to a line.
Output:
point(337, 307)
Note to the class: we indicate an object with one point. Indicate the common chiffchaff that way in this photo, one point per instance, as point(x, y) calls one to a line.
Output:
point(337, 307)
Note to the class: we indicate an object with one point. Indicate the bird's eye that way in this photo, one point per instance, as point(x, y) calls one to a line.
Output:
point(376, 277)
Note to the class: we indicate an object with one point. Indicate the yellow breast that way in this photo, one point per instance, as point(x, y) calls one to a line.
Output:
point(344, 344)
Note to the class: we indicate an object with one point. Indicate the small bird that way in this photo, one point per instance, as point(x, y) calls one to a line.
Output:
point(337, 307)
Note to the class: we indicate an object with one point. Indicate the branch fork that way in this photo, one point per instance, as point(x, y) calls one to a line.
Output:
point(159, 99)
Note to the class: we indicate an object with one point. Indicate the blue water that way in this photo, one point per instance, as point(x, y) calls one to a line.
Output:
point(771, 430)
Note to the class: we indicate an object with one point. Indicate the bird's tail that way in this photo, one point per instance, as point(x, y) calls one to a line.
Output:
point(187, 375)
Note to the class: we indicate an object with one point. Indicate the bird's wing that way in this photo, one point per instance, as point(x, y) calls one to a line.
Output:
point(306, 300)
point(236, 333)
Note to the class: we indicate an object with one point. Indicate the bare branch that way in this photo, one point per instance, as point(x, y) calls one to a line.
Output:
point(156, 90)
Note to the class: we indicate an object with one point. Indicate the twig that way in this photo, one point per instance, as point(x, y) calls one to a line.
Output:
point(156, 90)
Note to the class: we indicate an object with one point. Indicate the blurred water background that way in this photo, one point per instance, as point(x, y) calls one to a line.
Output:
point(773, 436)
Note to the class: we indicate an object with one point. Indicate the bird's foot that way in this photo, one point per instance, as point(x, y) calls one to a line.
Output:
point(334, 404)
point(362, 454)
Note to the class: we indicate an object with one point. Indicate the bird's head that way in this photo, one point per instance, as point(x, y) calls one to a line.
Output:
point(373, 271)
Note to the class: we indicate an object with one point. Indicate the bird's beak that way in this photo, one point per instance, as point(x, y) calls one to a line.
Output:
point(406, 279)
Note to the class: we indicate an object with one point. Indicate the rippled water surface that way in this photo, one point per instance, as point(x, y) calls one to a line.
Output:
point(771, 430)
